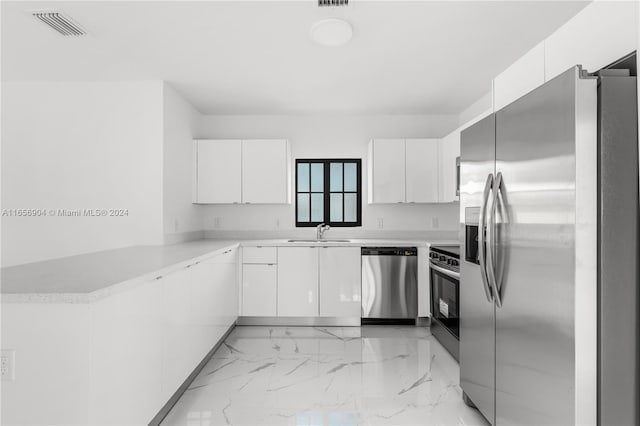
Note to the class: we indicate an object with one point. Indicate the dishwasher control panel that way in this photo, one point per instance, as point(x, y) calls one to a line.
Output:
point(389, 251)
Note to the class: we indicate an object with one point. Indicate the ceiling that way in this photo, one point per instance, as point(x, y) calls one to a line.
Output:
point(255, 57)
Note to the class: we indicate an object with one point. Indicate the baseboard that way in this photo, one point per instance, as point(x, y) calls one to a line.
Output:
point(301, 321)
point(157, 419)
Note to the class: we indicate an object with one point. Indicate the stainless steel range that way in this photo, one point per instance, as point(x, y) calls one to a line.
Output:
point(444, 271)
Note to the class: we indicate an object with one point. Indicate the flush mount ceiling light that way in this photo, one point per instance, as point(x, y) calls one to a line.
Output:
point(331, 32)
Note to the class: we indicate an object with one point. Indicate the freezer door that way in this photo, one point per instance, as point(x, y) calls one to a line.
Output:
point(545, 328)
point(477, 162)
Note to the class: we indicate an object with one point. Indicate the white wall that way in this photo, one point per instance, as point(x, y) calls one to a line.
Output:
point(320, 136)
point(181, 217)
point(80, 145)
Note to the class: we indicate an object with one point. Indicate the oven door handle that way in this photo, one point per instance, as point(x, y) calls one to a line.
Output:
point(450, 274)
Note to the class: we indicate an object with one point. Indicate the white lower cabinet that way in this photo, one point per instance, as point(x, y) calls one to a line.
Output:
point(340, 281)
point(304, 282)
point(259, 290)
point(297, 281)
point(217, 277)
point(179, 333)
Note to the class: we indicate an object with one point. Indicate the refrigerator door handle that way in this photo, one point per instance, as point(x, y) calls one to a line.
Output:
point(491, 233)
point(501, 205)
point(482, 219)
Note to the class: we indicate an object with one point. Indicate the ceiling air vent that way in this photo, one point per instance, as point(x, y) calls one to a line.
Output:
point(322, 3)
point(59, 22)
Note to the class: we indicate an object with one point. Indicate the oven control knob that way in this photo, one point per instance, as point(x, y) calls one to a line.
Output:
point(433, 255)
point(454, 262)
point(442, 258)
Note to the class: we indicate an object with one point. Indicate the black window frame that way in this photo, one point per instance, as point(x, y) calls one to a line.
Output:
point(327, 192)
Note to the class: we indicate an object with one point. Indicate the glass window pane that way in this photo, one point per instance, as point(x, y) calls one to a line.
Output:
point(336, 207)
point(350, 177)
point(303, 177)
point(317, 177)
point(336, 177)
point(317, 207)
point(350, 207)
point(303, 207)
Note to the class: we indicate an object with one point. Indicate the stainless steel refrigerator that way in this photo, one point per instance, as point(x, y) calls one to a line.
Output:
point(549, 262)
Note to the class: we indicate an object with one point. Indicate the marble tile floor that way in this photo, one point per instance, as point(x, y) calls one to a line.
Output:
point(338, 376)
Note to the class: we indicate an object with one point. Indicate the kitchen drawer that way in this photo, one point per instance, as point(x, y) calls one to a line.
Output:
point(259, 255)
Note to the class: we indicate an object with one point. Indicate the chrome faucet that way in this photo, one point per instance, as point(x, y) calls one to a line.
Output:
point(320, 230)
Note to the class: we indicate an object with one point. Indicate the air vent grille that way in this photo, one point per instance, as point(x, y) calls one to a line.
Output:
point(323, 3)
point(60, 22)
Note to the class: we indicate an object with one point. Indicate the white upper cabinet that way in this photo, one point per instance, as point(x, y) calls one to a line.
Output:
point(387, 171)
point(340, 282)
point(403, 171)
point(242, 171)
point(218, 171)
point(448, 153)
point(266, 171)
point(520, 78)
point(601, 33)
point(297, 281)
point(421, 172)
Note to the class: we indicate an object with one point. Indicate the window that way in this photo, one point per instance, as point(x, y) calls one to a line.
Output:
point(328, 191)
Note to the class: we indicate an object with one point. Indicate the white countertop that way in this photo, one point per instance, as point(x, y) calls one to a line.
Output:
point(358, 242)
point(88, 277)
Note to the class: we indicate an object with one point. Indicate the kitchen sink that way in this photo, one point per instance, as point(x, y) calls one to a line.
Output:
point(318, 241)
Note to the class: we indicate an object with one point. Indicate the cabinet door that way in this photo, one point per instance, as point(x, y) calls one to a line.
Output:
point(448, 179)
point(259, 288)
point(387, 171)
point(297, 281)
point(221, 291)
point(181, 335)
point(601, 33)
point(218, 171)
point(266, 171)
point(520, 78)
point(340, 282)
point(421, 170)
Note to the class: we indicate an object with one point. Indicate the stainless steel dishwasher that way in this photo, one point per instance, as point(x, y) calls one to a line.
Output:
point(389, 283)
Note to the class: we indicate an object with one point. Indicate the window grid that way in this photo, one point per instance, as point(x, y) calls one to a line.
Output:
point(327, 193)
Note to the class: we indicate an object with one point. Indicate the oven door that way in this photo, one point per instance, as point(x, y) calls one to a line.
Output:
point(445, 294)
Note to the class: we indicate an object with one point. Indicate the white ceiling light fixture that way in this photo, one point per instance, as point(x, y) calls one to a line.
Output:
point(331, 32)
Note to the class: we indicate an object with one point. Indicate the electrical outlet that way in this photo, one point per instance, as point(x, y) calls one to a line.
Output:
point(216, 222)
point(435, 223)
point(7, 365)
point(380, 223)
